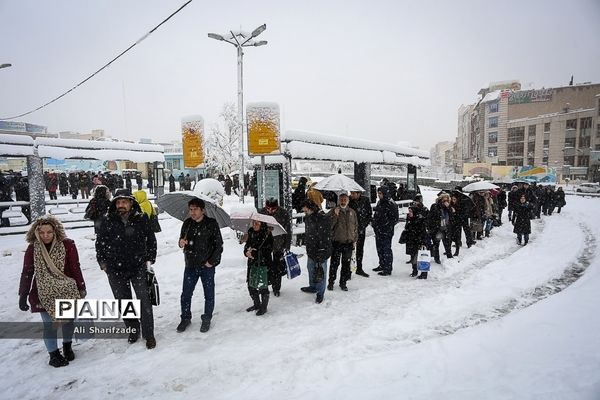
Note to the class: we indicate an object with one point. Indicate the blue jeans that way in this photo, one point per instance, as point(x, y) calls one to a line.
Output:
point(50, 333)
point(312, 266)
point(384, 251)
point(190, 279)
point(487, 224)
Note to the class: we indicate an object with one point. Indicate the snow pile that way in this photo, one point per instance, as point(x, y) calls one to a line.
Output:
point(211, 188)
point(16, 145)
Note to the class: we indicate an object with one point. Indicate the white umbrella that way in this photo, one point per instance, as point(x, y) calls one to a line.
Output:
point(339, 183)
point(481, 185)
point(242, 220)
point(176, 205)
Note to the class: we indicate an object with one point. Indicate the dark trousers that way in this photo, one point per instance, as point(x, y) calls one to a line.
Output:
point(53, 195)
point(190, 279)
point(500, 209)
point(464, 222)
point(276, 271)
point(384, 251)
point(341, 251)
point(360, 250)
point(443, 237)
point(121, 283)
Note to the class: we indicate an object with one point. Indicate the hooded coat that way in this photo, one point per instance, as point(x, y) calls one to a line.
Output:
point(142, 199)
point(125, 246)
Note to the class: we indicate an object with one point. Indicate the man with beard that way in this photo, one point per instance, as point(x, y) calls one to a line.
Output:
point(125, 246)
point(344, 234)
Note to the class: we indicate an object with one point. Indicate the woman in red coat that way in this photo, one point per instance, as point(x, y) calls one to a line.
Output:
point(51, 271)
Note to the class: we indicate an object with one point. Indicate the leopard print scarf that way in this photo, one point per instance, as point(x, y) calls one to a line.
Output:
point(51, 281)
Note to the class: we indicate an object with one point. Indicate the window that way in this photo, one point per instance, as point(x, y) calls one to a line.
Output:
point(572, 124)
point(546, 144)
point(545, 160)
point(516, 134)
point(531, 161)
point(493, 137)
point(570, 160)
point(598, 131)
point(531, 131)
point(597, 147)
point(547, 127)
point(493, 107)
point(570, 142)
point(492, 151)
point(493, 122)
point(583, 161)
point(515, 150)
point(514, 161)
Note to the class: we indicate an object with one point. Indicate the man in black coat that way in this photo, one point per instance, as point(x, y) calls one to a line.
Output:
point(364, 212)
point(463, 211)
point(385, 218)
point(298, 200)
point(125, 246)
point(281, 243)
point(501, 198)
point(318, 248)
point(202, 246)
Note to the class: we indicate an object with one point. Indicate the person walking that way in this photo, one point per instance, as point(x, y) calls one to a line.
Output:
point(560, 199)
point(318, 248)
point(51, 271)
point(281, 243)
point(171, 183)
point(202, 245)
point(228, 184)
point(139, 181)
point(98, 206)
point(364, 214)
point(344, 233)
point(521, 221)
point(385, 218)
point(125, 246)
point(259, 250)
point(52, 185)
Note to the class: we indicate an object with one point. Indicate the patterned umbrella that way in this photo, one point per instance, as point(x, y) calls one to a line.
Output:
point(242, 220)
point(339, 183)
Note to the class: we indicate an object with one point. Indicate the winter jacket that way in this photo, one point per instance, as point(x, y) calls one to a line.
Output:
point(281, 242)
point(205, 243)
point(125, 246)
point(501, 199)
point(52, 182)
point(549, 199)
point(364, 212)
point(521, 218)
point(344, 227)
point(440, 219)
point(385, 215)
point(318, 236)
point(415, 231)
point(513, 199)
point(72, 270)
point(298, 197)
point(560, 198)
point(315, 196)
point(261, 242)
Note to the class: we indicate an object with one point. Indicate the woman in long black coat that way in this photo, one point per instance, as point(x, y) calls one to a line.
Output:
point(259, 249)
point(414, 236)
point(560, 199)
point(521, 219)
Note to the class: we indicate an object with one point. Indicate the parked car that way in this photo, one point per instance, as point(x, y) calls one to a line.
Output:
point(588, 188)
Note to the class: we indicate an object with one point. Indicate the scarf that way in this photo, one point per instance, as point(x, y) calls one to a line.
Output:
point(49, 267)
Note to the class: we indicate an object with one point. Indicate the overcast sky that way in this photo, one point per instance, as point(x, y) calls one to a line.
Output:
point(384, 70)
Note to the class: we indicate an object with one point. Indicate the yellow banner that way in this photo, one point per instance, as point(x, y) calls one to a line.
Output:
point(192, 137)
point(263, 129)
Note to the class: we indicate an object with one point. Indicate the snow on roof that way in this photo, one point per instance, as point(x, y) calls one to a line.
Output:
point(346, 142)
point(92, 144)
point(63, 153)
point(15, 150)
point(268, 160)
point(491, 96)
point(192, 118)
point(315, 151)
point(16, 139)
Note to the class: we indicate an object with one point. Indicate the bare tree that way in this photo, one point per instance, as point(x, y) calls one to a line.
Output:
point(222, 143)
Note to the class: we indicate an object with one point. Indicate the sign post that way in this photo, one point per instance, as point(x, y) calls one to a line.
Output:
point(192, 138)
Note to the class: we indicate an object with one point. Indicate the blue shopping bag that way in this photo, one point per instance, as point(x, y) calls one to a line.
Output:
point(292, 265)
point(424, 260)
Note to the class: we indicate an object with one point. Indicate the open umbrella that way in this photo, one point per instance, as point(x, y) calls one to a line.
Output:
point(339, 183)
point(481, 185)
point(176, 205)
point(242, 220)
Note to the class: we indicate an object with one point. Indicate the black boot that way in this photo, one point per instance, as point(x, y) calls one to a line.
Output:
point(256, 301)
point(263, 304)
point(183, 325)
point(68, 351)
point(361, 272)
point(414, 272)
point(57, 360)
point(457, 251)
point(422, 276)
point(205, 326)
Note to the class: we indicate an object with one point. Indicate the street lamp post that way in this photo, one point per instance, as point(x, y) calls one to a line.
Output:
point(241, 39)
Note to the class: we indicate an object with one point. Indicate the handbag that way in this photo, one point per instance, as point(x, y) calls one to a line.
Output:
point(403, 237)
point(154, 225)
point(259, 277)
point(424, 260)
point(153, 290)
point(292, 265)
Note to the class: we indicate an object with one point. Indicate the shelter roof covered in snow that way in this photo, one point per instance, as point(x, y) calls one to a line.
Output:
point(316, 146)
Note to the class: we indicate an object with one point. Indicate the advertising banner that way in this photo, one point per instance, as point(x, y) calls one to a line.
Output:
point(263, 129)
point(192, 138)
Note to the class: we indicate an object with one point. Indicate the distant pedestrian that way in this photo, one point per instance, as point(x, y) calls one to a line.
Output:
point(560, 199)
point(522, 216)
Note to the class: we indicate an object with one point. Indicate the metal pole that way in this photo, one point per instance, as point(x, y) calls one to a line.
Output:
point(35, 174)
point(241, 119)
point(263, 197)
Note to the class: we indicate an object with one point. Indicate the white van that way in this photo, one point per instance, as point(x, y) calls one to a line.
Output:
point(588, 188)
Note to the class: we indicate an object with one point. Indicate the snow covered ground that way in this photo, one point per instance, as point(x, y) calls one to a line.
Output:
point(494, 323)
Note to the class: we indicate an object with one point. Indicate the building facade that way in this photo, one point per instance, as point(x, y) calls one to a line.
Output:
point(555, 127)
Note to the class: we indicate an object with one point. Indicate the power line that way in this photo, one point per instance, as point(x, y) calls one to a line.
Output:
point(102, 68)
